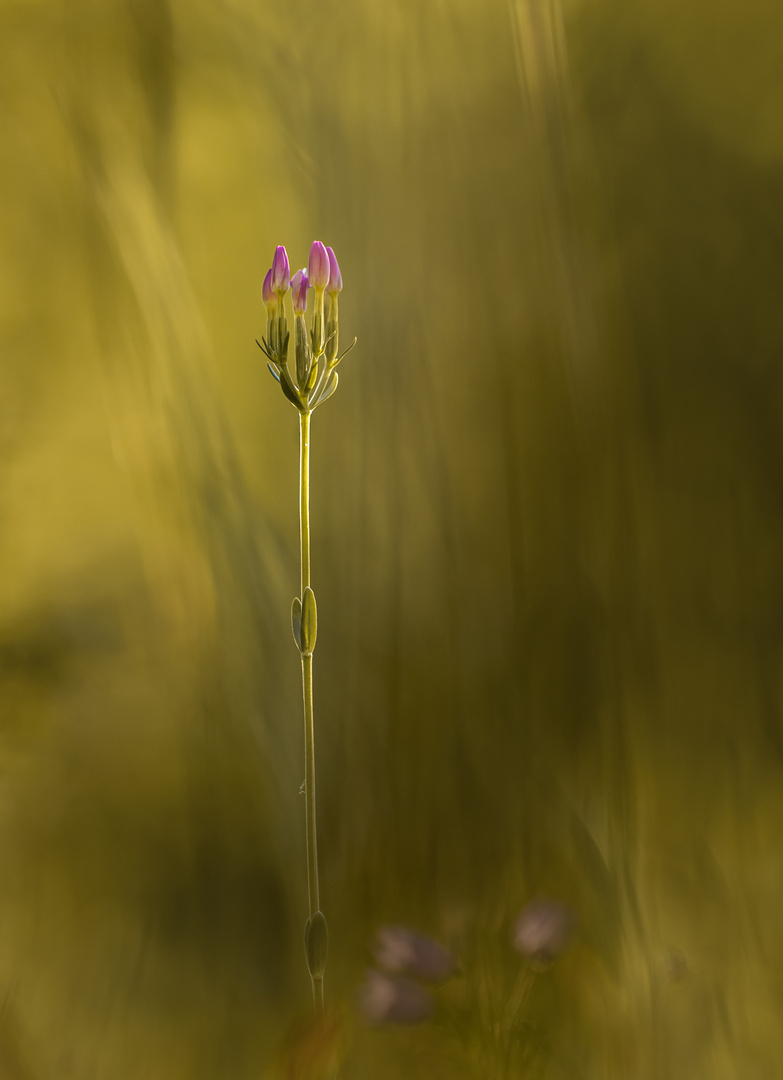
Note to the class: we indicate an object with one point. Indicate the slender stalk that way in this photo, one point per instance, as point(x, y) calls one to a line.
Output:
point(304, 499)
point(307, 693)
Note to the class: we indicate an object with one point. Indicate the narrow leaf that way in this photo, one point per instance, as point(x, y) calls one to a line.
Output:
point(348, 349)
point(312, 377)
point(309, 621)
point(316, 944)
point(296, 622)
point(330, 387)
point(288, 390)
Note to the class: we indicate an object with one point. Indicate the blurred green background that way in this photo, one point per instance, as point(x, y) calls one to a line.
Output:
point(547, 529)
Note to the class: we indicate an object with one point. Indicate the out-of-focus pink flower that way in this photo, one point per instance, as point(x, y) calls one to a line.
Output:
point(543, 929)
point(389, 999)
point(299, 287)
point(402, 950)
point(281, 272)
point(335, 277)
point(318, 269)
point(268, 293)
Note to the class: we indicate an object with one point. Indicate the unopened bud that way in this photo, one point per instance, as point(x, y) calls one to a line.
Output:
point(271, 310)
point(318, 267)
point(299, 286)
point(318, 273)
point(335, 284)
point(281, 273)
point(268, 293)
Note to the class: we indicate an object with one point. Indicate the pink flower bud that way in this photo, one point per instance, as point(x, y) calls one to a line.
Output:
point(335, 277)
point(281, 273)
point(401, 950)
point(266, 291)
point(318, 268)
point(543, 929)
point(386, 999)
point(299, 286)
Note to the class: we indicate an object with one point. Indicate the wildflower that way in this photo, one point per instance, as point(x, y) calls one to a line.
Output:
point(543, 930)
point(403, 951)
point(281, 273)
point(389, 999)
point(318, 267)
point(312, 382)
point(299, 286)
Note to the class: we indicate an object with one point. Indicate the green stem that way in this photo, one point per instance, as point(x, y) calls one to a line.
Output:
point(304, 499)
point(307, 692)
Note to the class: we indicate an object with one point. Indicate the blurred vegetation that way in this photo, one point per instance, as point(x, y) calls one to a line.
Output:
point(547, 525)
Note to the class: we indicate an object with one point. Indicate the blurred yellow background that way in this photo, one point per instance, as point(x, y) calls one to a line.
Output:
point(547, 532)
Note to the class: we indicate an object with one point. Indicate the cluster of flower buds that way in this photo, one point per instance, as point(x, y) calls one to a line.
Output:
point(313, 378)
point(391, 996)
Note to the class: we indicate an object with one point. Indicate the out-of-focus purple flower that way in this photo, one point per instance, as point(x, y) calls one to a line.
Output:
point(299, 287)
point(281, 272)
point(389, 999)
point(268, 293)
point(543, 929)
point(402, 950)
point(335, 277)
point(318, 269)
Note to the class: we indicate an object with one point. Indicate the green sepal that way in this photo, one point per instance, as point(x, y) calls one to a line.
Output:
point(312, 378)
point(304, 354)
point(284, 349)
point(296, 621)
point(316, 944)
point(289, 391)
point(317, 333)
point(309, 626)
point(330, 345)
